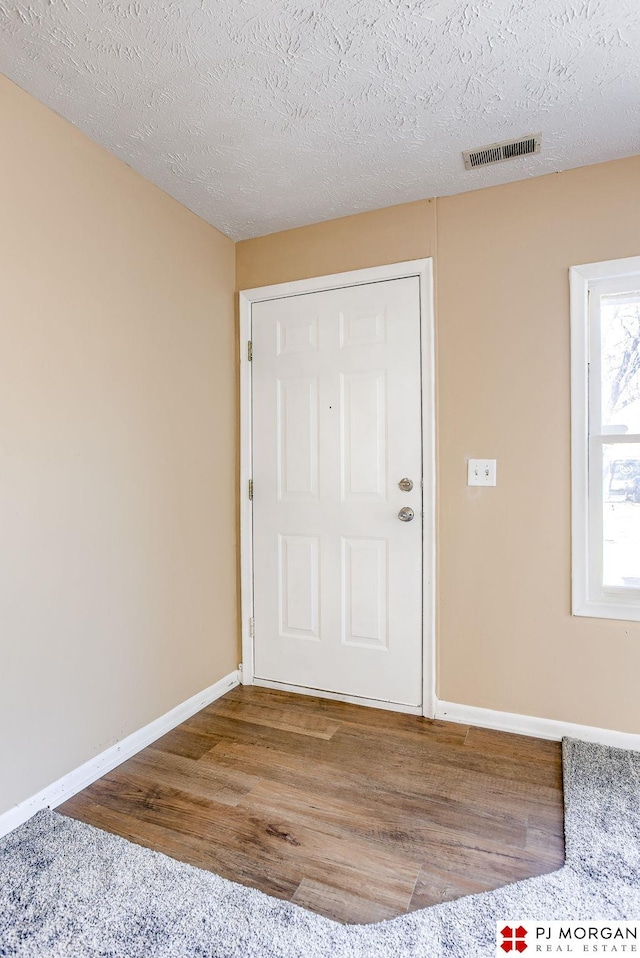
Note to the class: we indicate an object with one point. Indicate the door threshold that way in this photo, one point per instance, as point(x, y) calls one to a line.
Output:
point(339, 697)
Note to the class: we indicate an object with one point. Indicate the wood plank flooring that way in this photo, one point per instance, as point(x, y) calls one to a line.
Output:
point(358, 814)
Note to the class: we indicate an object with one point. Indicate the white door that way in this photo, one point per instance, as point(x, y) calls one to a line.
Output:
point(336, 427)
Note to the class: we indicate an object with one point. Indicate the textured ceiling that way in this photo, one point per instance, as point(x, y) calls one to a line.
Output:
point(265, 114)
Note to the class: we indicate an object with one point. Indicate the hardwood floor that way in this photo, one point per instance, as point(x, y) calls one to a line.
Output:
point(355, 813)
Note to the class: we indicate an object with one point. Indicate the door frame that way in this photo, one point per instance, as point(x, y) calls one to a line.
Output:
point(423, 270)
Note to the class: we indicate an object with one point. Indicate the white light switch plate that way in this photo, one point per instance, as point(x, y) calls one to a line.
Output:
point(481, 472)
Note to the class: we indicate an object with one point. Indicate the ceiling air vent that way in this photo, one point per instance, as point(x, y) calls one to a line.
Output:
point(499, 152)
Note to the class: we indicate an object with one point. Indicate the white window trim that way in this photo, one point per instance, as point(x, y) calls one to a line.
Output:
point(589, 598)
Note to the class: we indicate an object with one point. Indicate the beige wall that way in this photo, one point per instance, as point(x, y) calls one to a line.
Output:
point(506, 639)
point(391, 235)
point(117, 446)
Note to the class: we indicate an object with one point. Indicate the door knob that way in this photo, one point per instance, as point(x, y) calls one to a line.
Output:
point(406, 514)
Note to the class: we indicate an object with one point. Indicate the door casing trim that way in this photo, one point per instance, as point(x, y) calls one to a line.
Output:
point(423, 270)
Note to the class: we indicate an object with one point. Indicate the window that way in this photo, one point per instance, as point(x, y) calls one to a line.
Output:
point(605, 347)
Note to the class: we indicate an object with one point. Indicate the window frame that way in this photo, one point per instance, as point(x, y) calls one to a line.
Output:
point(589, 596)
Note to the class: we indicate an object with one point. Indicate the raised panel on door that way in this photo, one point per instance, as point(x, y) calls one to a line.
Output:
point(362, 325)
point(297, 335)
point(299, 586)
point(336, 425)
point(365, 592)
point(363, 397)
point(297, 436)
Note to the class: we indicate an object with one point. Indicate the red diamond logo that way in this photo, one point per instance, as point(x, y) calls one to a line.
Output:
point(513, 939)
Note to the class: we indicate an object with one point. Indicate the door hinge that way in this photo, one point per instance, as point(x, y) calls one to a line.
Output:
point(252, 627)
point(250, 351)
point(251, 488)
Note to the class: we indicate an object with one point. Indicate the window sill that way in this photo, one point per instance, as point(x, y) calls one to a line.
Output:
point(627, 611)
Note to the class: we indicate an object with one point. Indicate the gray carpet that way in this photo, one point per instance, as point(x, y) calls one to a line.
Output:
point(71, 891)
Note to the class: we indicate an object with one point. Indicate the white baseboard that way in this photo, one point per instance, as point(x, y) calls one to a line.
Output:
point(81, 777)
point(537, 727)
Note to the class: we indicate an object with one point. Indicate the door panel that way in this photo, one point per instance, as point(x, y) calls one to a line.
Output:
point(297, 437)
point(365, 593)
point(336, 425)
point(299, 586)
point(364, 434)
